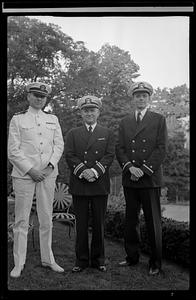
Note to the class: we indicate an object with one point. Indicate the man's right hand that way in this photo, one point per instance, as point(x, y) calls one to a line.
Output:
point(136, 171)
point(36, 175)
point(89, 175)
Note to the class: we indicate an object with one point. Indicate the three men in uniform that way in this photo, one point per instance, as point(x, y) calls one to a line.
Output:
point(35, 146)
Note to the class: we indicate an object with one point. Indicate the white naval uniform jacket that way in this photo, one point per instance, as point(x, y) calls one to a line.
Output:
point(34, 141)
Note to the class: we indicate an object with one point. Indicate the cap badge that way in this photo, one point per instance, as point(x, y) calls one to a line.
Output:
point(141, 85)
point(42, 87)
point(88, 100)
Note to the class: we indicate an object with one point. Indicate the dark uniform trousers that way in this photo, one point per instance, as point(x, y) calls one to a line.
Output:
point(90, 198)
point(97, 205)
point(148, 199)
point(142, 146)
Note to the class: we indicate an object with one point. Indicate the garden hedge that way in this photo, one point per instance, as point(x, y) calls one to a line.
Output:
point(175, 236)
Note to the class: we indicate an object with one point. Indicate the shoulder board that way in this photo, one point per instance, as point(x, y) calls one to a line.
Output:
point(48, 112)
point(20, 112)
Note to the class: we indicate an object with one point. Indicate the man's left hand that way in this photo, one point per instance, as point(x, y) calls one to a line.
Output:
point(89, 175)
point(47, 171)
point(134, 178)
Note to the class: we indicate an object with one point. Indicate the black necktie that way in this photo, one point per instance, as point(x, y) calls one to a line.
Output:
point(138, 117)
point(89, 132)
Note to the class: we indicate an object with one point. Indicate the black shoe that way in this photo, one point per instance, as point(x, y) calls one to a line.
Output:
point(123, 263)
point(102, 268)
point(77, 269)
point(154, 271)
point(126, 263)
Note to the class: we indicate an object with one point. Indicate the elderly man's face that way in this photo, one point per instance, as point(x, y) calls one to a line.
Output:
point(36, 100)
point(90, 115)
point(141, 100)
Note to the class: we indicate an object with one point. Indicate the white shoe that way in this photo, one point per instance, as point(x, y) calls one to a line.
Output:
point(16, 272)
point(54, 267)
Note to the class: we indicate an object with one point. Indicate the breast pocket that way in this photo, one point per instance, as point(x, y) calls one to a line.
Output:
point(51, 126)
point(50, 130)
point(101, 146)
point(28, 131)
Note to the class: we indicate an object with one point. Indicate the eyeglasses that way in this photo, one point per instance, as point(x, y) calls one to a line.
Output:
point(37, 95)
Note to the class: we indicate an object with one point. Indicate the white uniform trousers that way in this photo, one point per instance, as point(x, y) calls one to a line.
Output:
point(24, 191)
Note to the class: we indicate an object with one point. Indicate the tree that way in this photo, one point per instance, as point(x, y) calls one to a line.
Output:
point(117, 70)
point(171, 101)
point(32, 46)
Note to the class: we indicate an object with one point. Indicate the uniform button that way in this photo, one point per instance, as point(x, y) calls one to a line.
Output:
point(133, 141)
point(85, 152)
point(144, 160)
point(133, 160)
point(40, 133)
point(41, 152)
point(38, 124)
point(143, 140)
point(85, 161)
point(96, 152)
point(133, 150)
point(150, 166)
point(143, 150)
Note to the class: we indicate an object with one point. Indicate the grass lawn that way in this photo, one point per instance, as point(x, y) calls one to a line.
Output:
point(36, 277)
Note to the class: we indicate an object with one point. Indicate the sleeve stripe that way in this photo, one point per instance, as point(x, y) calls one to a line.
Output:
point(78, 167)
point(101, 167)
point(148, 168)
point(126, 165)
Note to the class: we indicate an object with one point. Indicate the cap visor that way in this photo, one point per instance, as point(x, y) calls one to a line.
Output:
point(90, 105)
point(141, 90)
point(38, 92)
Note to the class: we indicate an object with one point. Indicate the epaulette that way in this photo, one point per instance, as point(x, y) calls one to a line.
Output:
point(48, 112)
point(20, 112)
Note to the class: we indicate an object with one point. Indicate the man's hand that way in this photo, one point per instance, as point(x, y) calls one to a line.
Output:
point(36, 175)
point(47, 171)
point(137, 172)
point(89, 175)
point(134, 178)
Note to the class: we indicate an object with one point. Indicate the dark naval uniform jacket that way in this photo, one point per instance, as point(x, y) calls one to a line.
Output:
point(142, 146)
point(95, 152)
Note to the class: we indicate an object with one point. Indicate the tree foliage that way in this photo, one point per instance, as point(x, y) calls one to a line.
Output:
point(172, 101)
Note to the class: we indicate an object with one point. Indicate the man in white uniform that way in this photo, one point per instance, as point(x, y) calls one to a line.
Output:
point(35, 145)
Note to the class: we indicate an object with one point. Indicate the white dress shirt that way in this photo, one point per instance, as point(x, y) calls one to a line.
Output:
point(142, 113)
point(93, 127)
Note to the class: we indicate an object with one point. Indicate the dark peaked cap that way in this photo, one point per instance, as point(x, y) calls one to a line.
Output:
point(89, 101)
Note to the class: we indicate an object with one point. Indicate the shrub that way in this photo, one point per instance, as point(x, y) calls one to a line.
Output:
point(175, 235)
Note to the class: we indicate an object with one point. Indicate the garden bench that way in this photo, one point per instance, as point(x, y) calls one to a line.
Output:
point(62, 205)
